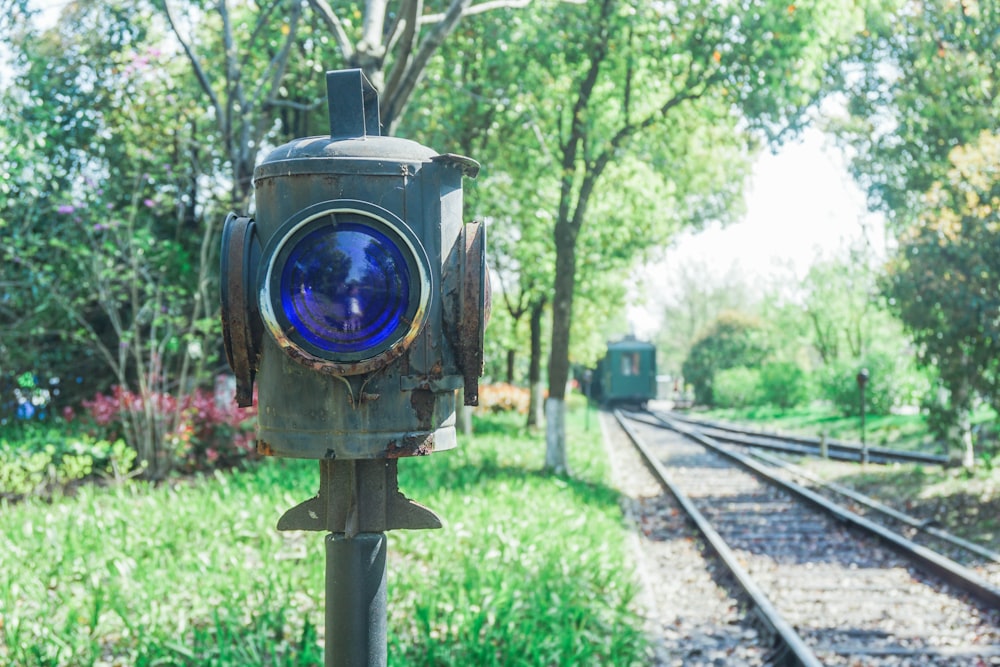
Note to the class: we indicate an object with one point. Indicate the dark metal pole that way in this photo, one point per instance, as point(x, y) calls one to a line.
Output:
point(862, 379)
point(355, 600)
point(864, 442)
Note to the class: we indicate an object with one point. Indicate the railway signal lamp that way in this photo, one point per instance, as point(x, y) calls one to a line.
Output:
point(356, 301)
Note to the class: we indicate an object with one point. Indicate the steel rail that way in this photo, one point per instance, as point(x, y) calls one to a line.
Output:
point(848, 450)
point(797, 653)
point(930, 561)
point(921, 525)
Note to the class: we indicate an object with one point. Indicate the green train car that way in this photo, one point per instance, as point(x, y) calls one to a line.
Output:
point(626, 374)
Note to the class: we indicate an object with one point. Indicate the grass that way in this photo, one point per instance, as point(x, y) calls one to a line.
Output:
point(527, 570)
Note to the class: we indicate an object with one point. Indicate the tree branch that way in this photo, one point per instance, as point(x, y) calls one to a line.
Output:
point(326, 13)
point(275, 103)
point(199, 72)
point(279, 63)
point(262, 21)
point(415, 68)
point(405, 32)
point(489, 6)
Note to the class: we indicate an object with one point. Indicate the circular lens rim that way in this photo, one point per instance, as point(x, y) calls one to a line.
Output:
point(334, 213)
point(308, 322)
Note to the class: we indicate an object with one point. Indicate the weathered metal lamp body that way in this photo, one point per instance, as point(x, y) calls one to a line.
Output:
point(344, 222)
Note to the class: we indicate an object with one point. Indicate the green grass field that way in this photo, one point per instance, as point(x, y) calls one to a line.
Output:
point(530, 569)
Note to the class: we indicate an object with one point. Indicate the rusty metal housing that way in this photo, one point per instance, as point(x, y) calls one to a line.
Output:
point(400, 401)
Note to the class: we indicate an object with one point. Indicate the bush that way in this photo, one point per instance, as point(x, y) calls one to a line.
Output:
point(736, 387)
point(784, 384)
point(733, 340)
point(201, 430)
point(893, 382)
point(36, 459)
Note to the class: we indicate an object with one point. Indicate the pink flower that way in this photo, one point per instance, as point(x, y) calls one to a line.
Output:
point(66, 208)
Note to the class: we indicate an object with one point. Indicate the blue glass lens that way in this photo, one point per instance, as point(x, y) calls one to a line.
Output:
point(345, 288)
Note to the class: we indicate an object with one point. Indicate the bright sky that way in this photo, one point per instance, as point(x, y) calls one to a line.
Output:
point(801, 204)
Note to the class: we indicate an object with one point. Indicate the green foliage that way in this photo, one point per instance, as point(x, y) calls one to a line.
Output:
point(784, 384)
point(940, 414)
point(921, 83)
point(736, 387)
point(698, 296)
point(843, 316)
point(120, 161)
point(194, 573)
point(942, 279)
point(892, 383)
point(37, 460)
point(733, 340)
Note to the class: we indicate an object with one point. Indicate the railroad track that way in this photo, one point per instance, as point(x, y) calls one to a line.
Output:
point(803, 445)
point(824, 587)
point(983, 561)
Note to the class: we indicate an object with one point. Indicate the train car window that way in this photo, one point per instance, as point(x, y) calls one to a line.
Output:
point(630, 364)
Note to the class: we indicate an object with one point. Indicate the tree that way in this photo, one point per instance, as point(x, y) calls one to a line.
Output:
point(840, 303)
point(694, 297)
point(923, 85)
point(395, 43)
point(465, 107)
point(734, 340)
point(117, 218)
point(704, 67)
point(942, 281)
point(240, 80)
point(98, 218)
point(923, 81)
point(658, 100)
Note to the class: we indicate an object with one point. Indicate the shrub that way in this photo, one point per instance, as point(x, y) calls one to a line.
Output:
point(733, 340)
point(783, 383)
point(736, 387)
point(36, 459)
point(893, 381)
point(201, 430)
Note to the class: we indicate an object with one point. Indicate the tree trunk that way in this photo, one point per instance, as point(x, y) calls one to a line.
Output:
point(511, 353)
point(463, 416)
point(965, 437)
point(961, 433)
point(555, 436)
point(562, 317)
point(535, 411)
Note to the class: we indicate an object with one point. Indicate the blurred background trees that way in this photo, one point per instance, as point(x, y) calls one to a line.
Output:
point(129, 130)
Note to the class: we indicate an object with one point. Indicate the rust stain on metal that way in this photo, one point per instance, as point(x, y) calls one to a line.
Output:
point(332, 368)
point(422, 401)
point(475, 300)
point(416, 445)
point(264, 449)
point(238, 331)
